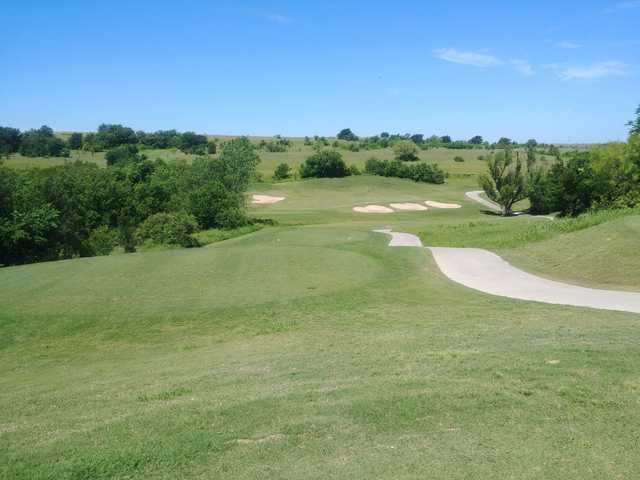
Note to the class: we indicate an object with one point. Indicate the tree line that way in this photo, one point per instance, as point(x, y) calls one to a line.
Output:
point(606, 176)
point(42, 142)
point(81, 209)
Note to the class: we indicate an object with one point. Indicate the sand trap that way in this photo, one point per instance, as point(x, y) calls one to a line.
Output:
point(433, 204)
point(266, 199)
point(407, 206)
point(372, 209)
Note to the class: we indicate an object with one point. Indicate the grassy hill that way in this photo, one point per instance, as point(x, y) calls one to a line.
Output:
point(313, 350)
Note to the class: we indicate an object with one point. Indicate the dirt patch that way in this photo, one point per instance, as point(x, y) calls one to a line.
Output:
point(266, 199)
point(431, 203)
point(372, 209)
point(268, 439)
point(408, 206)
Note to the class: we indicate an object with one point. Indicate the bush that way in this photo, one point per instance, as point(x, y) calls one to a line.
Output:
point(102, 240)
point(122, 155)
point(354, 170)
point(405, 151)
point(42, 143)
point(282, 172)
point(324, 164)
point(458, 159)
point(214, 206)
point(175, 228)
point(419, 172)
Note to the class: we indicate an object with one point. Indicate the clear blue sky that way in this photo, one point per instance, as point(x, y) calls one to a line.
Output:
point(554, 70)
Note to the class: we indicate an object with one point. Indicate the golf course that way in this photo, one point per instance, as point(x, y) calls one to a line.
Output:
point(284, 240)
point(311, 349)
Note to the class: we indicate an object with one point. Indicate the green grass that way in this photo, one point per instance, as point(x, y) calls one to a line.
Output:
point(312, 350)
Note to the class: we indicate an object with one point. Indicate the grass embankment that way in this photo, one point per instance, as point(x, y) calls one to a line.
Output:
point(596, 249)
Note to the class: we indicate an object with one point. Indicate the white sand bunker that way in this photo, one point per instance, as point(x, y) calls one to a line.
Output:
point(372, 209)
point(266, 199)
point(433, 204)
point(408, 206)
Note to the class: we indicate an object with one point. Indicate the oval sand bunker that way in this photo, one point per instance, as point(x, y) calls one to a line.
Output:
point(266, 199)
point(433, 204)
point(372, 209)
point(407, 206)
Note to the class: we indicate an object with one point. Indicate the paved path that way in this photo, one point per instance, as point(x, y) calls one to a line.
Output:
point(485, 271)
point(399, 239)
point(476, 196)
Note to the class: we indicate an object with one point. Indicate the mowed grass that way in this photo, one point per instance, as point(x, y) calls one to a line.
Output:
point(308, 352)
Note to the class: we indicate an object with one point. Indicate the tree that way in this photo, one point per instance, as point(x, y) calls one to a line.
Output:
point(504, 142)
point(75, 141)
point(477, 140)
point(505, 182)
point(384, 135)
point(531, 143)
point(123, 154)
point(405, 151)
point(42, 143)
point(634, 125)
point(324, 164)
point(417, 138)
point(191, 142)
point(9, 141)
point(445, 139)
point(113, 135)
point(347, 135)
point(282, 172)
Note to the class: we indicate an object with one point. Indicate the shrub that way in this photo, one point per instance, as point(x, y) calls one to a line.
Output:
point(354, 170)
point(405, 151)
point(419, 172)
point(458, 158)
point(214, 206)
point(324, 164)
point(122, 155)
point(282, 172)
point(102, 240)
point(175, 228)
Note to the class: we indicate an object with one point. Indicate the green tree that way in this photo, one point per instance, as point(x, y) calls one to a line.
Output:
point(405, 151)
point(325, 163)
point(347, 135)
point(477, 140)
point(75, 141)
point(634, 125)
point(113, 135)
point(505, 182)
point(282, 172)
point(9, 141)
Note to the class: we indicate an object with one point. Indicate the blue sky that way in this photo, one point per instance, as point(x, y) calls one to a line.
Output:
point(559, 71)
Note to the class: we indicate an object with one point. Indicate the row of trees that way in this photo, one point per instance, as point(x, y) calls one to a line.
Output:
point(81, 209)
point(606, 176)
point(44, 143)
point(385, 140)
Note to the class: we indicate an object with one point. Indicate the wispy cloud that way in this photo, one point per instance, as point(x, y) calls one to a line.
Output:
point(278, 18)
point(567, 44)
point(523, 67)
point(475, 59)
point(625, 5)
point(592, 71)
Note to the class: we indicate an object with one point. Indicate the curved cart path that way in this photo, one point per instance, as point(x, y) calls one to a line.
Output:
point(476, 196)
point(487, 272)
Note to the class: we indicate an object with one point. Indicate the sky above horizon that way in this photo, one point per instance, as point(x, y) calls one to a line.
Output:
point(564, 72)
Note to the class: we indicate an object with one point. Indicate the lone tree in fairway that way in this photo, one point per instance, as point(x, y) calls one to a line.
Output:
point(505, 183)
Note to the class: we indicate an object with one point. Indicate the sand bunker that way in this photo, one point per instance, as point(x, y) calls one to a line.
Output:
point(407, 206)
point(372, 209)
point(266, 199)
point(433, 204)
